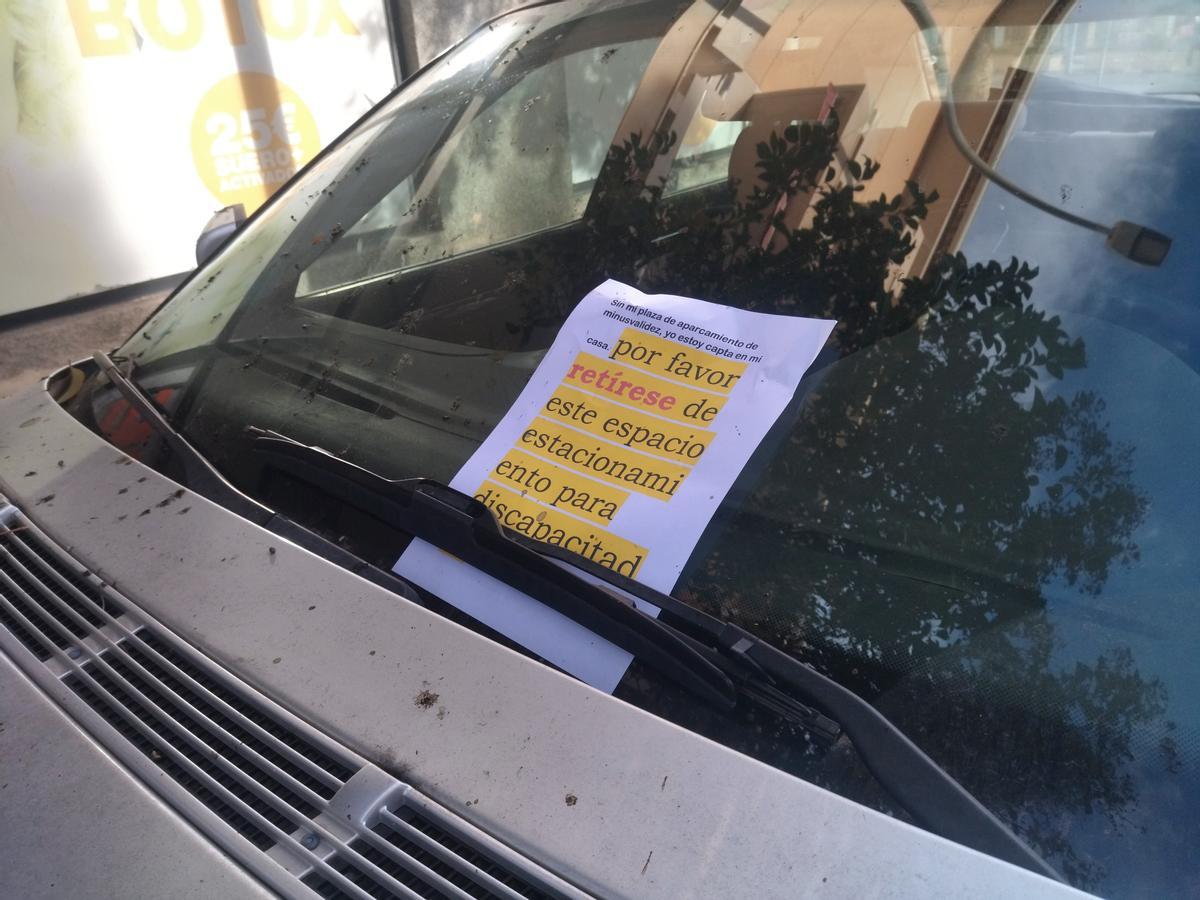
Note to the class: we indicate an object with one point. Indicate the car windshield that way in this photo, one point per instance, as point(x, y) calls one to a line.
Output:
point(979, 511)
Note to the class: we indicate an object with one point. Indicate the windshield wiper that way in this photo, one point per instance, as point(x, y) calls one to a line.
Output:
point(199, 474)
point(925, 790)
point(462, 526)
point(716, 660)
point(205, 479)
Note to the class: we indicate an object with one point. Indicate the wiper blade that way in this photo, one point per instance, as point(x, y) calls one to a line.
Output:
point(199, 474)
point(714, 659)
point(934, 799)
point(205, 479)
point(461, 525)
point(464, 527)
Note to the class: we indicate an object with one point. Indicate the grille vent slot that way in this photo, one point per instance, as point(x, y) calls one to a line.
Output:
point(228, 813)
point(258, 773)
point(31, 569)
point(336, 771)
point(416, 848)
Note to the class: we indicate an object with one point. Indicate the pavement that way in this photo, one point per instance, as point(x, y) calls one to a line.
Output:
point(32, 350)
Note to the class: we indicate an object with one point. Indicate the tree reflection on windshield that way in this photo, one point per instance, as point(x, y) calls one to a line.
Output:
point(900, 529)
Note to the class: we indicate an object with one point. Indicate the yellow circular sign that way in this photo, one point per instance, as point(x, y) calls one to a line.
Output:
point(250, 133)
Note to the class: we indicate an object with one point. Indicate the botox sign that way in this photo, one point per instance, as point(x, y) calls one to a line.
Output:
point(135, 119)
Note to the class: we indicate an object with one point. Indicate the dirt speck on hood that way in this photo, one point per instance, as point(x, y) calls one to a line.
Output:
point(171, 498)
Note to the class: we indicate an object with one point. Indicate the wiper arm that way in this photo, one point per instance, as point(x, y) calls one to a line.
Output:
point(199, 474)
point(461, 525)
point(205, 479)
point(934, 799)
point(712, 658)
point(464, 527)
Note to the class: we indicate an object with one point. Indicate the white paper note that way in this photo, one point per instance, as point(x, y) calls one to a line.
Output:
point(621, 447)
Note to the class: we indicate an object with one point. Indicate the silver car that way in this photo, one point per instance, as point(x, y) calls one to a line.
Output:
point(937, 640)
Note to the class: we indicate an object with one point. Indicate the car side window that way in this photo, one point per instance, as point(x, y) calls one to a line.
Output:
point(549, 132)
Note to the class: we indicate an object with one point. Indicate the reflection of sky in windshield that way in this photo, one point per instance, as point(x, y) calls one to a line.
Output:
point(1109, 140)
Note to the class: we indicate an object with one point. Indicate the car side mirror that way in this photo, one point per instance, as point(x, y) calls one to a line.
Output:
point(219, 229)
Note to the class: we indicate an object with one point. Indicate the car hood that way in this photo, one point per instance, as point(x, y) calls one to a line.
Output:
point(617, 801)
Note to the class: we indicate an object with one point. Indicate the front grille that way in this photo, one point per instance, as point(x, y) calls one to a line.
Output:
point(337, 772)
point(420, 837)
point(264, 781)
point(23, 573)
point(230, 814)
point(420, 840)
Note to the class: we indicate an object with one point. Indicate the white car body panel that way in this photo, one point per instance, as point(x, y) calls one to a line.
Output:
point(660, 812)
point(75, 822)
